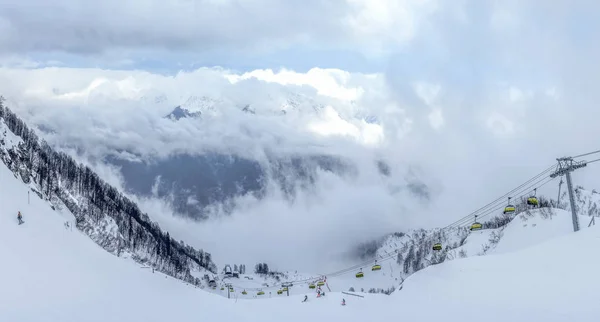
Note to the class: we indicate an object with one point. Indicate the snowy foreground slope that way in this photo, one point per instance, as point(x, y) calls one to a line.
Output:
point(51, 273)
point(555, 280)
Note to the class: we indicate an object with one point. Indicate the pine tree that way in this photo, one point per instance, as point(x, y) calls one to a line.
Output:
point(409, 258)
point(417, 260)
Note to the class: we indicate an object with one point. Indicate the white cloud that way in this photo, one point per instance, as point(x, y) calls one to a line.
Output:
point(328, 82)
point(384, 25)
point(516, 95)
point(427, 92)
point(436, 118)
point(552, 92)
point(500, 125)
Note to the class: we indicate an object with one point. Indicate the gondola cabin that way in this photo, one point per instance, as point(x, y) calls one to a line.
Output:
point(360, 274)
point(376, 267)
point(311, 286)
point(260, 293)
point(476, 226)
point(320, 283)
point(532, 201)
point(437, 246)
point(285, 289)
point(244, 292)
point(509, 209)
point(279, 292)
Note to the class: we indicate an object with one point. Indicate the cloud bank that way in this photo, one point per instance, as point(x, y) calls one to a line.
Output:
point(465, 158)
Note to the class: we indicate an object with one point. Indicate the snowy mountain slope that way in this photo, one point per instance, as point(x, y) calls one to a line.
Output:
point(476, 244)
point(555, 280)
point(412, 251)
point(531, 228)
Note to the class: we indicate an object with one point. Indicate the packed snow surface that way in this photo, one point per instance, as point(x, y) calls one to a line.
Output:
point(53, 273)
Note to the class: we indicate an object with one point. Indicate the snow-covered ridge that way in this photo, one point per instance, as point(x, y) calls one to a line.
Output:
point(412, 251)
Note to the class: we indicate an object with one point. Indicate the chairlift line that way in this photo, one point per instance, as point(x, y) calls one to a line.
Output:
point(522, 195)
point(596, 160)
point(537, 184)
point(506, 194)
point(524, 192)
point(478, 214)
point(582, 155)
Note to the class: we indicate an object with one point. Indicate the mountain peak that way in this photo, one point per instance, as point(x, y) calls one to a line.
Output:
point(179, 113)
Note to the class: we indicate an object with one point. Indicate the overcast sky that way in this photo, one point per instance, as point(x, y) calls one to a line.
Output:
point(240, 34)
point(481, 95)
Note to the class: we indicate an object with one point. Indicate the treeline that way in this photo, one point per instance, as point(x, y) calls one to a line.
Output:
point(58, 176)
point(261, 268)
point(373, 290)
point(240, 269)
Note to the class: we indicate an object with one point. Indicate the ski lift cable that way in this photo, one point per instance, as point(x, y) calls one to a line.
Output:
point(523, 192)
point(582, 155)
point(492, 211)
point(592, 161)
point(538, 185)
point(502, 198)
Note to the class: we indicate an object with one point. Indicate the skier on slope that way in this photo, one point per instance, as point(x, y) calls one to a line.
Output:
point(343, 301)
point(305, 298)
point(20, 217)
